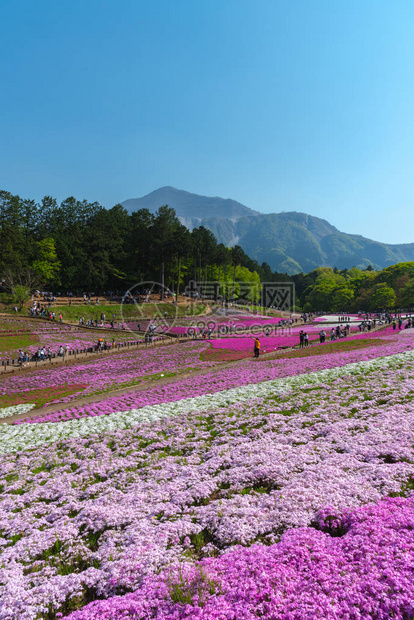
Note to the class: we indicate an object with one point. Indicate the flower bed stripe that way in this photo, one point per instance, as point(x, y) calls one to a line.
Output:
point(25, 436)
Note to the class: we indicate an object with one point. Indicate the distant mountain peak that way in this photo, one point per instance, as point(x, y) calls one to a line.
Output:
point(188, 205)
point(288, 241)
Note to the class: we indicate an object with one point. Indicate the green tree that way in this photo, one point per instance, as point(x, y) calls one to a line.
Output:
point(237, 255)
point(343, 297)
point(163, 233)
point(204, 253)
point(106, 248)
point(382, 297)
point(47, 265)
point(139, 245)
point(406, 297)
point(330, 292)
point(20, 295)
point(21, 284)
point(395, 274)
point(181, 249)
point(252, 291)
point(12, 255)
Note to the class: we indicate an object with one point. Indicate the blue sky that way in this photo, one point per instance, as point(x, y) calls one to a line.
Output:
point(291, 105)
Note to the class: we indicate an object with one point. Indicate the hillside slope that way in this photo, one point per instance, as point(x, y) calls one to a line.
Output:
point(289, 242)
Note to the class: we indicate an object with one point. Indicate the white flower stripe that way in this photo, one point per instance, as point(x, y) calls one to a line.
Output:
point(6, 412)
point(26, 436)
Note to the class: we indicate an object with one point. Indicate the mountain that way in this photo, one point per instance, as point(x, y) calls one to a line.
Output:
point(296, 242)
point(189, 206)
point(289, 242)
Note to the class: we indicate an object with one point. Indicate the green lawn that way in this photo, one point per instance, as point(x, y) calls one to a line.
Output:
point(19, 341)
point(41, 396)
point(10, 325)
point(126, 311)
point(223, 355)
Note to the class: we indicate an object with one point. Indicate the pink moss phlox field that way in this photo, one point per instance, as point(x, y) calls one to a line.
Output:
point(243, 343)
point(113, 370)
point(289, 337)
point(237, 322)
point(366, 573)
point(105, 514)
point(242, 373)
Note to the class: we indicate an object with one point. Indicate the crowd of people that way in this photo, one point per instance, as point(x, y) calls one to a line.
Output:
point(290, 321)
point(42, 354)
point(91, 322)
point(205, 333)
point(335, 333)
point(37, 311)
point(370, 321)
point(307, 317)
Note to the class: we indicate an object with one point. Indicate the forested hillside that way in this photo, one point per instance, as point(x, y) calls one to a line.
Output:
point(77, 245)
point(80, 246)
point(289, 242)
point(354, 289)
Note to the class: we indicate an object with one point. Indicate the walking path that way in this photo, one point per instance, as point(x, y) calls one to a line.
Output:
point(75, 358)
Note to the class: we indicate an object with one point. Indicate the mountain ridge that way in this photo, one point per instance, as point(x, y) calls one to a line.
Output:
point(186, 202)
point(289, 241)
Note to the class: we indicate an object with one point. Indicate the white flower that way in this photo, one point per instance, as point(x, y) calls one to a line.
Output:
point(6, 412)
point(26, 436)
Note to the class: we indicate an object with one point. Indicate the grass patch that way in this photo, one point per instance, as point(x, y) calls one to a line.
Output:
point(90, 311)
point(133, 311)
point(184, 589)
point(40, 396)
point(224, 355)
point(10, 325)
point(230, 355)
point(133, 382)
point(14, 342)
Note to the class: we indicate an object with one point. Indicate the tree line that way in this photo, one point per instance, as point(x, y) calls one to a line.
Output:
point(351, 290)
point(81, 246)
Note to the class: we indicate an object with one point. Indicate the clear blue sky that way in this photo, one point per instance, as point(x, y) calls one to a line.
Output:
point(303, 105)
